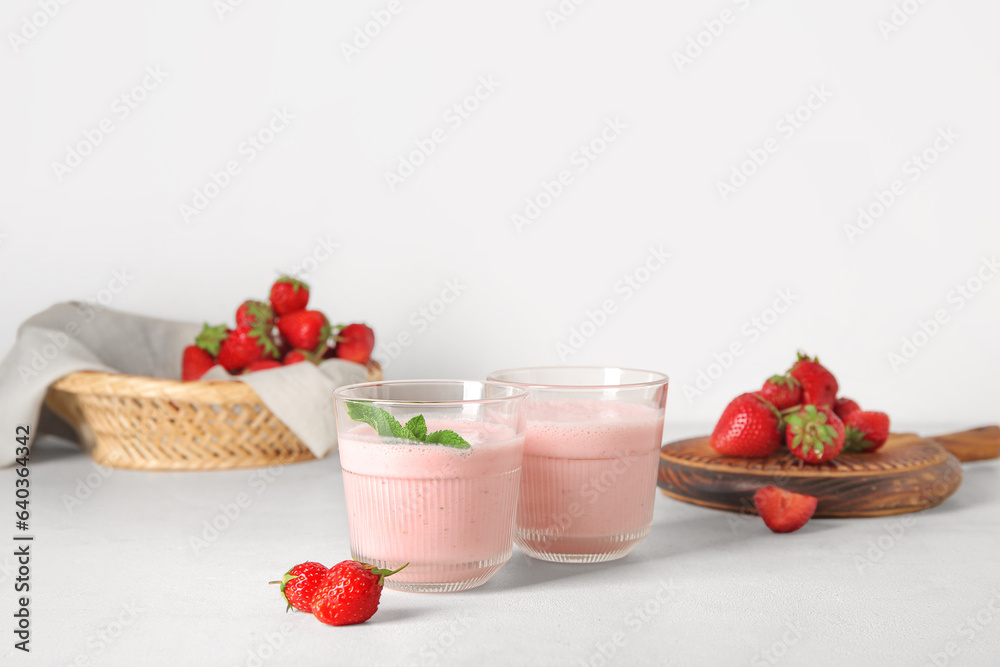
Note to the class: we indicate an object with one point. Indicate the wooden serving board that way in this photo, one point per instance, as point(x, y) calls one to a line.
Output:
point(908, 474)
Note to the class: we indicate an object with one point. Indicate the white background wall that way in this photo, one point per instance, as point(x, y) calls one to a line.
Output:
point(686, 126)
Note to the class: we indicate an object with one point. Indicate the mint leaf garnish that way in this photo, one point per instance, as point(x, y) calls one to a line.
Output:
point(380, 420)
point(449, 438)
point(416, 428)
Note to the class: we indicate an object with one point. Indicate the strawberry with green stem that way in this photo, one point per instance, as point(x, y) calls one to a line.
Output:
point(867, 431)
point(300, 584)
point(750, 426)
point(814, 434)
point(819, 386)
point(783, 391)
point(349, 593)
point(289, 295)
point(306, 330)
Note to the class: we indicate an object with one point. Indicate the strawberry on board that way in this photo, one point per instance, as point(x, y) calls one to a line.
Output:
point(299, 585)
point(867, 431)
point(749, 426)
point(819, 387)
point(783, 391)
point(843, 407)
point(783, 511)
point(814, 434)
point(355, 342)
point(350, 593)
point(289, 295)
point(195, 362)
point(305, 330)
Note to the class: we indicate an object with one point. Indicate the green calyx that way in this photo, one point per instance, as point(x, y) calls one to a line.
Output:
point(210, 339)
point(810, 430)
point(260, 312)
point(388, 426)
point(284, 582)
point(382, 574)
point(782, 380)
point(261, 333)
point(856, 440)
point(324, 337)
point(294, 282)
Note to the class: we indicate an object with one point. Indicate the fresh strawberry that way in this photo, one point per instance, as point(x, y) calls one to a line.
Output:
point(210, 338)
point(298, 356)
point(299, 585)
point(814, 434)
point(262, 365)
point(783, 391)
point(867, 431)
point(305, 330)
point(819, 387)
point(243, 346)
point(355, 342)
point(195, 363)
point(749, 426)
point(843, 407)
point(289, 295)
point(783, 511)
point(255, 314)
point(349, 593)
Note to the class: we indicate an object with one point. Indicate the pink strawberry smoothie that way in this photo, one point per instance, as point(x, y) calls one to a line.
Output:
point(447, 512)
point(589, 478)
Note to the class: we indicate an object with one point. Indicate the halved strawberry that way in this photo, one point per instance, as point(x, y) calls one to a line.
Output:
point(867, 431)
point(783, 511)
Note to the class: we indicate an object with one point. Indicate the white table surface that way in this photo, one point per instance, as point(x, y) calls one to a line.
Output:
point(116, 580)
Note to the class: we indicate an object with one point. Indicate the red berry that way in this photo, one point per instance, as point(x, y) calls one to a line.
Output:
point(195, 363)
point(814, 434)
point(783, 391)
point(867, 431)
point(262, 365)
point(299, 585)
point(243, 346)
point(305, 330)
point(819, 386)
point(355, 342)
point(255, 314)
point(289, 295)
point(843, 407)
point(783, 511)
point(349, 593)
point(749, 426)
point(298, 356)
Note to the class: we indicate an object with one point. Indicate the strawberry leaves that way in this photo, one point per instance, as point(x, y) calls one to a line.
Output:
point(388, 426)
point(210, 339)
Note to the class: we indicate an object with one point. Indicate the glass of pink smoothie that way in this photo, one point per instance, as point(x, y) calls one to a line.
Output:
point(442, 503)
point(591, 455)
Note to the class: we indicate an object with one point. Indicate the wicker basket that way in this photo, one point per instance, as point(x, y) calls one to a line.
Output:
point(144, 423)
